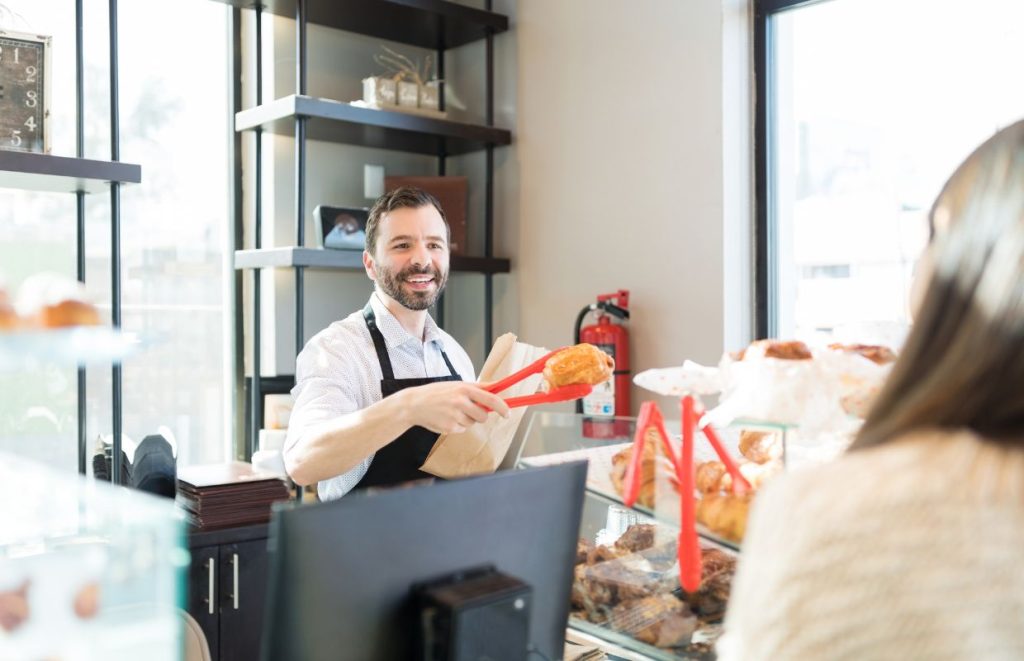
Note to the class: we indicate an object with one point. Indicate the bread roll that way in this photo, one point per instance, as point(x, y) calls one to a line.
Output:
point(580, 364)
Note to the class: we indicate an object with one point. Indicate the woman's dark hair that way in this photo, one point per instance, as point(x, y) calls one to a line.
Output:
point(962, 365)
point(399, 198)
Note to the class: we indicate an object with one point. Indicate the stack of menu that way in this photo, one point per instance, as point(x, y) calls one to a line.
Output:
point(225, 495)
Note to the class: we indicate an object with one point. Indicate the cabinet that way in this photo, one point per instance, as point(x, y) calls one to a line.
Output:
point(81, 176)
point(227, 582)
point(434, 24)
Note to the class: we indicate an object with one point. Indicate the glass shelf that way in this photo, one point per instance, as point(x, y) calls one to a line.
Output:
point(82, 345)
point(97, 568)
point(553, 437)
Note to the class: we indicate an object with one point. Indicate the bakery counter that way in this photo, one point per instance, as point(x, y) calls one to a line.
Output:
point(626, 588)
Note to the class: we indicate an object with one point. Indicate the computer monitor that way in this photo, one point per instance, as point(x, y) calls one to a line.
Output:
point(341, 572)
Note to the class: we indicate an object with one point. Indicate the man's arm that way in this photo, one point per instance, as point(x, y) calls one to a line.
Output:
point(335, 446)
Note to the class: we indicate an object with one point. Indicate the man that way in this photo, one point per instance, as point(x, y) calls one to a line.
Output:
point(375, 390)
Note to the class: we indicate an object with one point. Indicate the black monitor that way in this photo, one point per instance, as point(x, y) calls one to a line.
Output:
point(341, 572)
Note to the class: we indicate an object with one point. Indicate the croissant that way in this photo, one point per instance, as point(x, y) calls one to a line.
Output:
point(580, 364)
point(759, 446)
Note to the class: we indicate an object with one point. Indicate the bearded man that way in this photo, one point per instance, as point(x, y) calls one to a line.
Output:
point(374, 390)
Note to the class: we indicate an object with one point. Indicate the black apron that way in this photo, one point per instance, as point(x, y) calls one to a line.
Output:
point(400, 460)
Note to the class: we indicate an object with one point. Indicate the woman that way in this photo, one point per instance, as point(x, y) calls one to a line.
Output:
point(911, 546)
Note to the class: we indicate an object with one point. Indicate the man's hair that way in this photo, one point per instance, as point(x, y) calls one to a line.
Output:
point(400, 198)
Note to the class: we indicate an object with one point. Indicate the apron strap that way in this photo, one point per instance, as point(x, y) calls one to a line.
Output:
point(378, 343)
point(449, 364)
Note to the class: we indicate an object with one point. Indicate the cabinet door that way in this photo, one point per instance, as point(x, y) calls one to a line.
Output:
point(243, 583)
point(203, 590)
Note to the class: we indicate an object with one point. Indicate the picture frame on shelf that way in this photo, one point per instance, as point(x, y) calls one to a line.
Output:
point(341, 228)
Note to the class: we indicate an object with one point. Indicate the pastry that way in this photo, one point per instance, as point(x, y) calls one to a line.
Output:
point(52, 300)
point(725, 514)
point(14, 607)
point(580, 364)
point(709, 476)
point(660, 620)
point(638, 537)
point(782, 350)
point(760, 446)
point(876, 353)
point(651, 462)
point(87, 601)
point(9, 319)
point(67, 313)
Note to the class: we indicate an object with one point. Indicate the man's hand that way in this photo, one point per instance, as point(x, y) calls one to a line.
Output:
point(450, 407)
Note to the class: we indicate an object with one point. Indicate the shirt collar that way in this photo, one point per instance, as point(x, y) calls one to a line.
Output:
point(394, 333)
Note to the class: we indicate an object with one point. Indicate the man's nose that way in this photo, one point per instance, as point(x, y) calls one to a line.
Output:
point(420, 255)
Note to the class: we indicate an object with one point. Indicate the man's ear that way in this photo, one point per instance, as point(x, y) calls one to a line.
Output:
point(371, 268)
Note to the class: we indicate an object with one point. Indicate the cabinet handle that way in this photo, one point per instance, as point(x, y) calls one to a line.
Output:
point(210, 569)
point(234, 570)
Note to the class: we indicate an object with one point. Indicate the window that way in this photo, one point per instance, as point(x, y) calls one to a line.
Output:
point(175, 123)
point(871, 105)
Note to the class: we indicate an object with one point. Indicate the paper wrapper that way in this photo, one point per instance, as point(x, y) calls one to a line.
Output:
point(481, 448)
point(825, 395)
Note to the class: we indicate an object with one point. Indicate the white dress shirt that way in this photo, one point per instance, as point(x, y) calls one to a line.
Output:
point(338, 372)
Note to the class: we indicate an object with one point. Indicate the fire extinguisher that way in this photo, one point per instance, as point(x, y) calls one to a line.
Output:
point(612, 398)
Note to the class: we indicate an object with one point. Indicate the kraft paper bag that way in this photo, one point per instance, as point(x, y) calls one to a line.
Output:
point(481, 448)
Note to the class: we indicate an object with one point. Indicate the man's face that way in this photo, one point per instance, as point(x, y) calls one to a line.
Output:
point(410, 260)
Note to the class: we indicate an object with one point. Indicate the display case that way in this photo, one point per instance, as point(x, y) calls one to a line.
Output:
point(626, 591)
point(87, 570)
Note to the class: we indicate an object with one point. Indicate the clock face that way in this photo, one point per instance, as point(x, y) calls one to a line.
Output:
point(23, 106)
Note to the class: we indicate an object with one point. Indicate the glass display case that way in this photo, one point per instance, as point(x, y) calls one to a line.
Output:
point(626, 582)
point(87, 570)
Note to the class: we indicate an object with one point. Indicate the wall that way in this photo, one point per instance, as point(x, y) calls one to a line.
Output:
point(632, 138)
point(630, 168)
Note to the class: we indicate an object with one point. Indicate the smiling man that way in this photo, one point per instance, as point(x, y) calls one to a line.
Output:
point(375, 390)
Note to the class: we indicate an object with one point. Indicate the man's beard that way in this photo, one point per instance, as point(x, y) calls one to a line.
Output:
point(392, 285)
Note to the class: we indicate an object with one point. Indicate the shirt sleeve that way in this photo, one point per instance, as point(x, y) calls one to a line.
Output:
point(324, 390)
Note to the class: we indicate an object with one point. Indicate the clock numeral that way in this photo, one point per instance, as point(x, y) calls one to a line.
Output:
point(31, 123)
point(31, 101)
point(16, 137)
point(16, 55)
point(30, 74)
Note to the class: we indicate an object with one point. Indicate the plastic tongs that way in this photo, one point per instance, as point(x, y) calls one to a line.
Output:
point(563, 394)
point(688, 546)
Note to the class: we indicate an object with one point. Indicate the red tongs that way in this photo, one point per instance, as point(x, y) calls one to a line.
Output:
point(688, 546)
point(563, 394)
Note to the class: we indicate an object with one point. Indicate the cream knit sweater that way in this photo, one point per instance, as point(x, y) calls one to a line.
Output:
point(911, 550)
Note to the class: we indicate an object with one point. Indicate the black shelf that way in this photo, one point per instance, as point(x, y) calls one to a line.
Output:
point(60, 174)
point(335, 121)
point(432, 24)
point(349, 260)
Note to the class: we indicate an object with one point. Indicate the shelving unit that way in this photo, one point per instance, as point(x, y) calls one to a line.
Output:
point(433, 24)
point(31, 171)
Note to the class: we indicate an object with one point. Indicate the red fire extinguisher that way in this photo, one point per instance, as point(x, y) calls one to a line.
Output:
point(612, 398)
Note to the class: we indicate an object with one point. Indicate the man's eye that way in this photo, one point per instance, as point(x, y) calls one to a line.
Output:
point(436, 246)
point(400, 246)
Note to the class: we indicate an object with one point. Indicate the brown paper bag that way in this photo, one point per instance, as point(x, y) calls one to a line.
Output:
point(481, 448)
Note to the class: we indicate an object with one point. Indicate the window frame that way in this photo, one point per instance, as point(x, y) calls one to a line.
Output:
point(766, 262)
